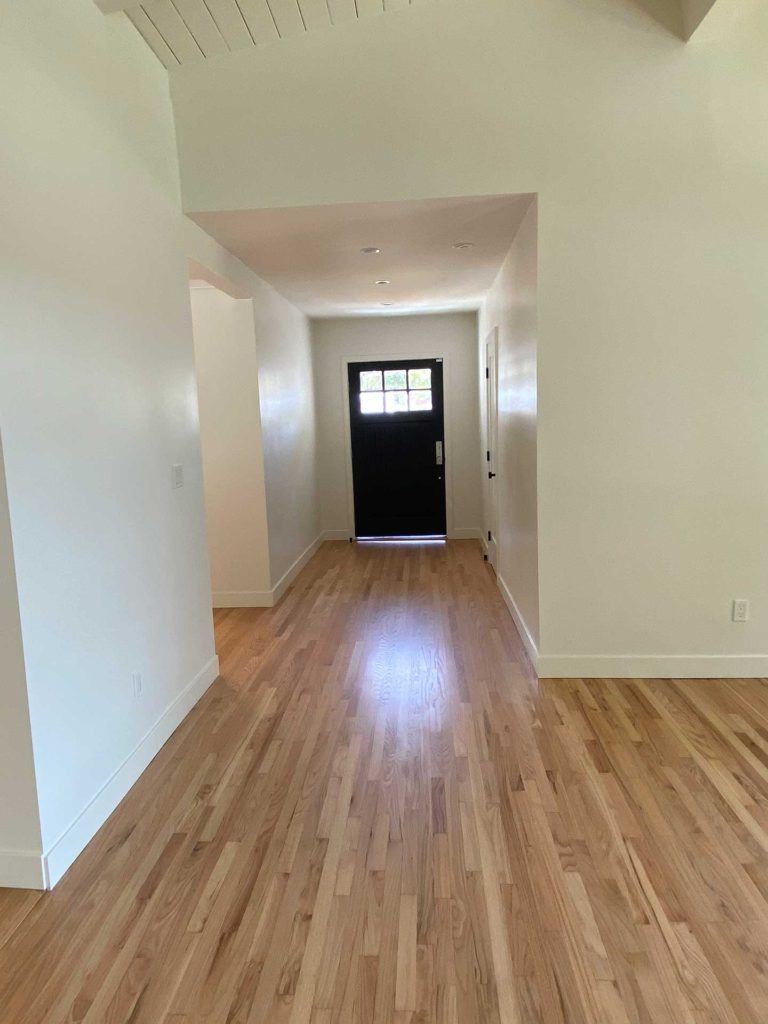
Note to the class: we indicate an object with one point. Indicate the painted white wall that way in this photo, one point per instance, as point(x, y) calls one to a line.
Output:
point(97, 402)
point(451, 336)
point(233, 459)
point(288, 426)
point(511, 309)
point(286, 404)
point(649, 158)
point(20, 839)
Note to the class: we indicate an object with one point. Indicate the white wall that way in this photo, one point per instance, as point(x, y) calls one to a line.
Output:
point(286, 402)
point(452, 336)
point(288, 428)
point(97, 402)
point(511, 308)
point(233, 459)
point(20, 840)
point(649, 158)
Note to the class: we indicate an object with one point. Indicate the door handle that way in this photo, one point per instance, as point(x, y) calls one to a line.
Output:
point(438, 453)
point(491, 476)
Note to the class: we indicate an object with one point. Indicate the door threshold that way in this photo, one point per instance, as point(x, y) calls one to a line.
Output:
point(410, 538)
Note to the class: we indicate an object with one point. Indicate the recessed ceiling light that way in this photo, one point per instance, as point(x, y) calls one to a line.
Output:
point(370, 250)
point(463, 245)
point(383, 282)
point(386, 303)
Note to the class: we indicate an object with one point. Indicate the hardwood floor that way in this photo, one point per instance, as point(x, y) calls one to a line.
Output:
point(378, 816)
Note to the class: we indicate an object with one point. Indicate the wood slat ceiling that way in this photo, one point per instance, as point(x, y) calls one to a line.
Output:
point(185, 31)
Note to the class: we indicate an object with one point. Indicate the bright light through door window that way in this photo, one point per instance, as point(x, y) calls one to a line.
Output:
point(371, 401)
point(395, 391)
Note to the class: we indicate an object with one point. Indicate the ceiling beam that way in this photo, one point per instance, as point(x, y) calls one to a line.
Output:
point(694, 12)
point(110, 6)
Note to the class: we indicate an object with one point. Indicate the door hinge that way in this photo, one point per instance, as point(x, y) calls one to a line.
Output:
point(489, 535)
point(487, 373)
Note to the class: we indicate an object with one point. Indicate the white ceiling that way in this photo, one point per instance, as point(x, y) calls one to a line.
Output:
point(312, 254)
point(193, 31)
point(189, 31)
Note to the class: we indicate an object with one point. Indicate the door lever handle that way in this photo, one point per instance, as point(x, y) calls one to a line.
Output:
point(491, 476)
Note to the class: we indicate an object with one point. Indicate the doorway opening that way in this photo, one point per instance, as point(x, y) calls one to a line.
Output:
point(396, 417)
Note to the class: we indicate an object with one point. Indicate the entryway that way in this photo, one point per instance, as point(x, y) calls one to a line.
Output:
point(398, 448)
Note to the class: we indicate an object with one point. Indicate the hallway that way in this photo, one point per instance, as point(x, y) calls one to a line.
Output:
point(378, 816)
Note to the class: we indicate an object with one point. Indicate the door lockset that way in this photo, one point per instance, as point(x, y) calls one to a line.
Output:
point(438, 453)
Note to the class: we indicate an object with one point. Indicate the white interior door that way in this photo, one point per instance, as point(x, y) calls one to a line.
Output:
point(492, 430)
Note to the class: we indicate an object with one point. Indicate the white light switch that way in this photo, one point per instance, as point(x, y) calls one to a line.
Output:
point(178, 475)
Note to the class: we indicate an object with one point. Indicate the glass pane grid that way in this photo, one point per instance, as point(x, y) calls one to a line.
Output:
point(396, 401)
point(395, 391)
point(420, 379)
point(395, 380)
point(420, 401)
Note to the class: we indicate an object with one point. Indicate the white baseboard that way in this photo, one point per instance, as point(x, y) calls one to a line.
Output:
point(522, 628)
point(269, 598)
point(634, 666)
point(465, 533)
point(243, 598)
point(653, 666)
point(22, 869)
point(290, 575)
point(61, 854)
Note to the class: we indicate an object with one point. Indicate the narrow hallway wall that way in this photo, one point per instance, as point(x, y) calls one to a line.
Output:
point(286, 405)
point(511, 308)
point(20, 838)
point(233, 458)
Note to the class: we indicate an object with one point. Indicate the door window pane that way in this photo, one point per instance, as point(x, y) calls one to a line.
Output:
point(420, 379)
point(394, 380)
point(397, 401)
point(372, 401)
point(370, 380)
point(420, 401)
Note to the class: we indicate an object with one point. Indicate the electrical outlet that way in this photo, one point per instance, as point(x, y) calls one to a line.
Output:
point(178, 475)
point(740, 609)
point(138, 685)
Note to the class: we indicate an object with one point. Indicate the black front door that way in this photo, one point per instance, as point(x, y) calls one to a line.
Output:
point(396, 419)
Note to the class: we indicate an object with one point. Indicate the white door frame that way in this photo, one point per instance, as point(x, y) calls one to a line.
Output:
point(492, 445)
point(390, 356)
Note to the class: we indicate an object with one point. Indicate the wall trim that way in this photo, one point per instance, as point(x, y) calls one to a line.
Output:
point(64, 851)
point(466, 533)
point(22, 869)
point(269, 598)
point(243, 599)
point(653, 666)
point(633, 666)
point(525, 634)
point(291, 573)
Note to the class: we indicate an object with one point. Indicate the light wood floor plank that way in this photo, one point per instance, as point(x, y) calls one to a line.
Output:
point(378, 815)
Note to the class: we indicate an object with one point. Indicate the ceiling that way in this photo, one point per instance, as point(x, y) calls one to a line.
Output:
point(189, 31)
point(312, 254)
point(192, 31)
